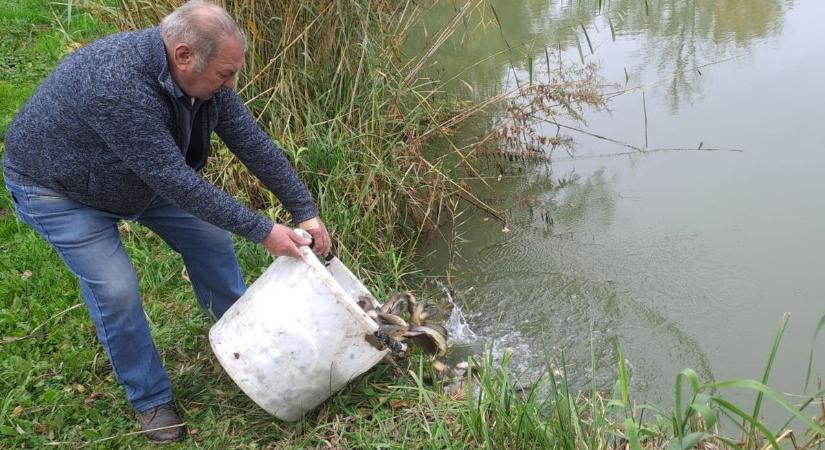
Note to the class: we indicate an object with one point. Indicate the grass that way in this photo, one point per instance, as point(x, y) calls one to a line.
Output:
point(30, 47)
point(353, 132)
point(59, 388)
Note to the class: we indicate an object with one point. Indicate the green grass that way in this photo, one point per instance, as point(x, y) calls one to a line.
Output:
point(57, 384)
point(57, 387)
point(35, 35)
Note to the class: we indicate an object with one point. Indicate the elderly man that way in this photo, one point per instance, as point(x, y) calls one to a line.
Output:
point(119, 131)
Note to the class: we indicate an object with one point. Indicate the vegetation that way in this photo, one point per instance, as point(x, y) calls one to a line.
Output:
point(328, 80)
point(31, 43)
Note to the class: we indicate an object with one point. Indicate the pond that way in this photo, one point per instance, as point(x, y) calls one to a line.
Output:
point(687, 257)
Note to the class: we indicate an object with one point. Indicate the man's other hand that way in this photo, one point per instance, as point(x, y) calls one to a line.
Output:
point(283, 241)
point(315, 227)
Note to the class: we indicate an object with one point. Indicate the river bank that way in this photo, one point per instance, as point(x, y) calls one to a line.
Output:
point(58, 388)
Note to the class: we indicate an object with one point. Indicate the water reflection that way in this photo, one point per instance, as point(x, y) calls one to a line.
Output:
point(674, 38)
point(651, 251)
point(683, 36)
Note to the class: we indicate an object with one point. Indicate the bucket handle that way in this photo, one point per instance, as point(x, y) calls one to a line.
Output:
point(305, 234)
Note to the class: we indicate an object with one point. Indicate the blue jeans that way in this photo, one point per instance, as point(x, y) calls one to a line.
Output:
point(88, 242)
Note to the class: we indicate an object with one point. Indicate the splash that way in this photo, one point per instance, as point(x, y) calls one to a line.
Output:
point(458, 329)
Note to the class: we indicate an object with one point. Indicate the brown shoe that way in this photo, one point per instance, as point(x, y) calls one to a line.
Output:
point(162, 424)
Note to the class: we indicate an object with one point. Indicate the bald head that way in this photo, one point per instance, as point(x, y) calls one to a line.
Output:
point(202, 26)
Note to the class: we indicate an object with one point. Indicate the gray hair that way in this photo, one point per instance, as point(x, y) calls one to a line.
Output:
point(203, 26)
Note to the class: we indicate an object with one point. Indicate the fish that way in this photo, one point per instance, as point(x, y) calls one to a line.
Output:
point(366, 302)
point(375, 342)
point(392, 319)
point(446, 371)
point(394, 330)
point(438, 329)
point(430, 340)
point(438, 366)
point(417, 314)
point(395, 303)
point(428, 312)
point(420, 312)
point(391, 336)
point(411, 302)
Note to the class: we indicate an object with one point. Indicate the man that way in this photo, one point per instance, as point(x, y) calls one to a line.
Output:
point(119, 131)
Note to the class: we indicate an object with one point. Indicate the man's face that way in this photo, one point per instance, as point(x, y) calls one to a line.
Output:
point(220, 71)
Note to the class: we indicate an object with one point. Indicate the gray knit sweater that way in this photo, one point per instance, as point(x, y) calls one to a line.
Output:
point(102, 130)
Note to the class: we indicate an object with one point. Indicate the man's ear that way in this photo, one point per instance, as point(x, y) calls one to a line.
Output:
point(182, 56)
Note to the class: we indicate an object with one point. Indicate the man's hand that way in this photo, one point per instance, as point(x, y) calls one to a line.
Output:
point(282, 241)
point(320, 235)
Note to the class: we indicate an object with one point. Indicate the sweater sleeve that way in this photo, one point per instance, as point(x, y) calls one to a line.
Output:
point(138, 136)
point(238, 129)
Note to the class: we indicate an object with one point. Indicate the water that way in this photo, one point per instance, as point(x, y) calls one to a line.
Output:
point(688, 258)
point(457, 327)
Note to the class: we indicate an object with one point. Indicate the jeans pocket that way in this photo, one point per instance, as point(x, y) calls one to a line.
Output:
point(18, 199)
point(39, 192)
point(36, 201)
point(16, 193)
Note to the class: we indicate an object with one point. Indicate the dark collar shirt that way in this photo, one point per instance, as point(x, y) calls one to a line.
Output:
point(186, 116)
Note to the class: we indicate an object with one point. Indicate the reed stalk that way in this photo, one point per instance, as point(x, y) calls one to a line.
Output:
point(329, 82)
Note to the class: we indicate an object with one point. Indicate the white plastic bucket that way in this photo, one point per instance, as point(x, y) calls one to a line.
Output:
point(297, 335)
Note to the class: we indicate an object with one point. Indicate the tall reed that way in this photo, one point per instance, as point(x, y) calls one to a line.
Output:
point(329, 82)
